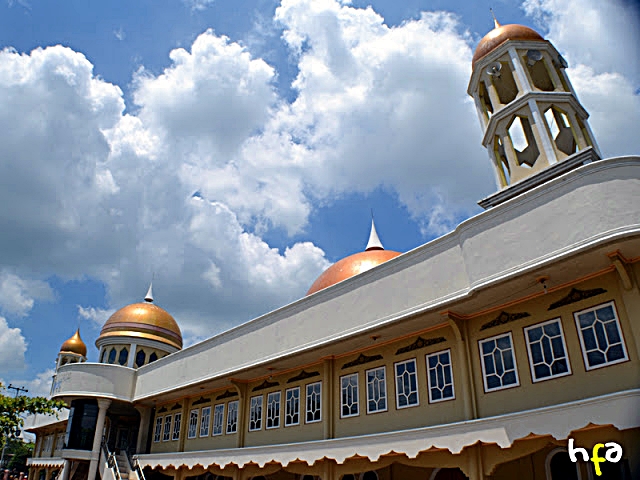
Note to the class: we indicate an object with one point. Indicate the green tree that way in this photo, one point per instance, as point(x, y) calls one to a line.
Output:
point(13, 408)
point(18, 452)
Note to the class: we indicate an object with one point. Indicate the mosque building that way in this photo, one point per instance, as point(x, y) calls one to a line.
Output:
point(490, 353)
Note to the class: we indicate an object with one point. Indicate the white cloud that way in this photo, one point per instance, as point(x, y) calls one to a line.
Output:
point(97, 315)
point(198, 5)
point(12, 348)
point(39, 386)
point(18, 295)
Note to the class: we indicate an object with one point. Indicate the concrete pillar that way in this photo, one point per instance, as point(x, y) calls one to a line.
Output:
point(327, 398)
point(143, 428)
point(103, 405)
point(132, 355)
point(64, 475)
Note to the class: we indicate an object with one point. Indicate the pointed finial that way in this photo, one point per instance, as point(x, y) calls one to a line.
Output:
point(496, 24)
point(149, 296)
point(374, 242)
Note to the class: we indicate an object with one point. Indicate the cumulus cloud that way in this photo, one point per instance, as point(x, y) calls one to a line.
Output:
point(12, 348)
point(18, 295)
point(96, 315)
point(601, 41)
point(39, 386)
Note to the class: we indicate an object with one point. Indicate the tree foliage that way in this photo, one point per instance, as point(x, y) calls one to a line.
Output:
point(12, 409)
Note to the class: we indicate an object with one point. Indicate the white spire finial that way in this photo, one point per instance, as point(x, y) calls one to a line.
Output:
point(374, 242)
point(149, 296)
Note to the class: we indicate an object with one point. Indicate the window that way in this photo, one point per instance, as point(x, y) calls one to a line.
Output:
point(158, 430)
point(167, 429)
point(103, 357)
point(498, 363)
point(376, 390)
point(600, 336)
point(292, 407)
point(177, 420)
point(122, 358)
point(152, 358)
point(547, 350)
point(314, 402)
point(218, 419)
point(273, 410)
point(140, 358)
point(193, 423)
point(112, 355)
point(232, 417)
point(440, 376)
point(349, 395)
point(205, 418)
point(406, 384)
point(558, 466)
point(255, 413)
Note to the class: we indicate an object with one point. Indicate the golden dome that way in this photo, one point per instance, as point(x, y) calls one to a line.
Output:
point(74, 345)
point(501, 34)
point(143, 320)
point(351, 266)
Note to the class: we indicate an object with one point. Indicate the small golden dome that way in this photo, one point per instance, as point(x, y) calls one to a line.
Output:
point(143, 320)
point(74, 345)
point(501, 34)
point(350, 267)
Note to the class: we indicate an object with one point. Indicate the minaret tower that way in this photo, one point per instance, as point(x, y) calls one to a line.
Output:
point(531, 116)
point(72, 350)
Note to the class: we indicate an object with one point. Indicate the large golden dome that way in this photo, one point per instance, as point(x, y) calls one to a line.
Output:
point(74, 345)
point(143, 320)
point(501, 34)
point(360, 262)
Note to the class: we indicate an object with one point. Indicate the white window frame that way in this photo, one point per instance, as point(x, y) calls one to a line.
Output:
point(287, 413)
point(192, 431)
point(205, 421)
point(157, 433)
point(383, 391)
point(429, 386)
point(356, 398)
point(218, 414)
point(307, 410)
point(232, 414)
point(275, 419)
point(417, 391)
point(255, 417)
point(580, 335)
point(534, 379)
point(177, 423)
point(167, 431)
point(515, 363)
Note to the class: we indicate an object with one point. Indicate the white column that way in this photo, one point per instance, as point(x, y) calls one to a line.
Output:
point(539, 124)
point(103, 405)
point(64, 475)
point(132, 354)
point(143, 428)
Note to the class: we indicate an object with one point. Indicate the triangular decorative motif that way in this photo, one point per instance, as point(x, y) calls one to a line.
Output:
point(226, 394)
point(264, 385)
point(303, 376)
point(421, 343)
point(575, 295)
point(361, 360)
point(503, 318)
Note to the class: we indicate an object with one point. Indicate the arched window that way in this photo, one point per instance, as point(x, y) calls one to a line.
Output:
point(104, 356)
point(559, 466)
point(140, 358)
point(112, 356)
point(153, 357)
point(122, 358)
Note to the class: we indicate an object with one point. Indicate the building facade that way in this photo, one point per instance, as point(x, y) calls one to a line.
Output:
point(492, 352)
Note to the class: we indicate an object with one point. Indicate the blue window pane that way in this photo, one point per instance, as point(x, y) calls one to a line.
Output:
point(508, 361)
point(435, 394)
point(615, 353)
point(601, 336)
point(605, 313)
point(558, 348)
point(595, 358)
point(552, 329)
point(542, 371)
point(447, 375)
point(589, 339)
point(509, 378)
point(497, 358)
point(587, 319)
point(612, 332)
point(447, 391)
point(413, 398)
point(534, 334)
point(411, 367)
point(559, 366)
point(440, 375)
point(546, 348)
point(488, 346)
point(432, 377)
point(488, 365)
point(536, 353)
point(444, 358)
point(504, 343)
point(493, 382)
point(433, 361)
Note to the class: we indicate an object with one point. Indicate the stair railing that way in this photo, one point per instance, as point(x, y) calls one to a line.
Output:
point(111, 460)
point(135, 464)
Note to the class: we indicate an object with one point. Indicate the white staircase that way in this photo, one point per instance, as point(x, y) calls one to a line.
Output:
point(123, 465)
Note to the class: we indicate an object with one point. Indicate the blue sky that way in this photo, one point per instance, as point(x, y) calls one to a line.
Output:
point(233, 150)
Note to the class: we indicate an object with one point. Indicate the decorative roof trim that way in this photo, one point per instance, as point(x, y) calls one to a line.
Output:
point(201, 401)
point(361, 360)
point(576, 295)
point(503, 318)
point(421, 343)
point(227, 394)
point(177, 406)
point(264, 385)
